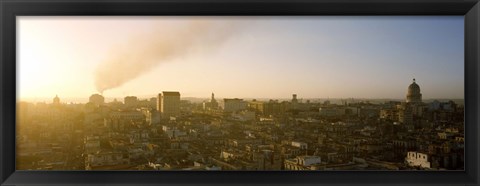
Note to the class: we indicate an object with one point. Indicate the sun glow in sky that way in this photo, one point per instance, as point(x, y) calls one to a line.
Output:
point(254, 57)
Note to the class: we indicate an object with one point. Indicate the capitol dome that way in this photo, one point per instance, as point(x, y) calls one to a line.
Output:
point(414, 88)
point(413, 93)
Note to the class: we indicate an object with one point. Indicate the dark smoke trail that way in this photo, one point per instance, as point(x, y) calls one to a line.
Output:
point(144, 52)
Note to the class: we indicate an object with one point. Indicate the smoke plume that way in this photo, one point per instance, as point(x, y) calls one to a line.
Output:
point(143, 52)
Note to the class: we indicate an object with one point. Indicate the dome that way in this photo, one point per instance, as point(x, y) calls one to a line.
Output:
point(56, 99)
point(413, 88)
point(413, 93)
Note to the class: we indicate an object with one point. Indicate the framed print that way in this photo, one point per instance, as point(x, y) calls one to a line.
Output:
point(209, 92)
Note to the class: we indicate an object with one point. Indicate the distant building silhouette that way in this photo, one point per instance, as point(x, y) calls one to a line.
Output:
point(234, 105)
point(159, 102)
point(56, 100)
point(213, 102)
point(294, 102)
point(413, 93)
point(211, 105)
point(170, 104)
point(414, 101)
point(294, 98)
point(97, 99)
point(130, 101)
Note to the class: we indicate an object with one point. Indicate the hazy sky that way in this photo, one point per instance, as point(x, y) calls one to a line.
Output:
point(255, 57)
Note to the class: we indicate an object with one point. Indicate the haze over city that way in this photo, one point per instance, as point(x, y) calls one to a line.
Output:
point(240, 93)
point(254, 57)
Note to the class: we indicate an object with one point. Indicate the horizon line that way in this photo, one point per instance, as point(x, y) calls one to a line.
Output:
point(258, 98)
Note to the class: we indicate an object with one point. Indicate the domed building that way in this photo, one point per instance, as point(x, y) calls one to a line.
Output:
point(56, 100)
point(413, 93)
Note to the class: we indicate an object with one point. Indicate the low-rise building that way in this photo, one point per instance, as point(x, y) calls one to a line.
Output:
point(106, 158)
point(302, 163)
point(417, 159)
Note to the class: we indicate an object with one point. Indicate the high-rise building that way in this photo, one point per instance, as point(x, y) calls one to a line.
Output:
point(170, 104)
point(97, 99)
point(130, 101)
point(413, 93)
point(159, 102)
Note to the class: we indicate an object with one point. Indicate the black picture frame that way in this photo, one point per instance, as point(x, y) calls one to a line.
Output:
point(9, 9)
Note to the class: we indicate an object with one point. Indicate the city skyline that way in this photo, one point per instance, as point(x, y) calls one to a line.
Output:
point(164, 134)
point(82, 100)
point(241, 57)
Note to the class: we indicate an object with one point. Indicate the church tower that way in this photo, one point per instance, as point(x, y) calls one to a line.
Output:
point(213, 102)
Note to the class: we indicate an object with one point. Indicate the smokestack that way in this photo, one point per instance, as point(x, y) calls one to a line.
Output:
point(144, 52)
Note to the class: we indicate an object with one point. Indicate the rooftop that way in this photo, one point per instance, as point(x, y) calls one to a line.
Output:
point(171, 93)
